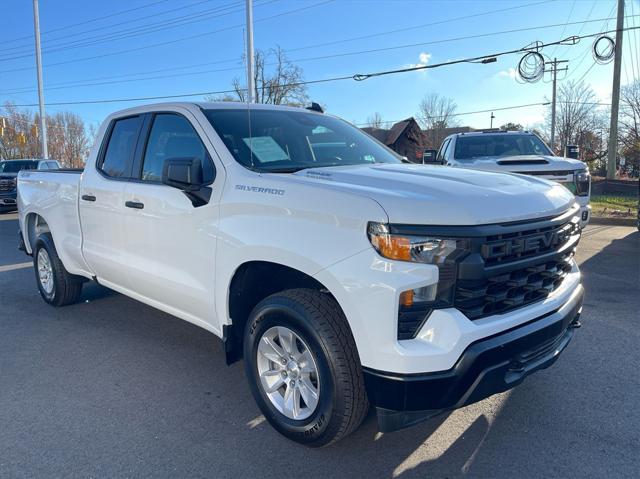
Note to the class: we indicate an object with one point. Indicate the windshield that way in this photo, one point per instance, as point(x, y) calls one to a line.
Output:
point(288, 141)
point(503, 144)
point(16, 166)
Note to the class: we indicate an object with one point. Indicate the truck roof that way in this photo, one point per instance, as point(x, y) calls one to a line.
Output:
point(493, 132)
point(207, 105)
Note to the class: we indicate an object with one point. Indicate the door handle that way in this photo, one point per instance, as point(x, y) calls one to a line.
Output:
point(134, 204)
point(88, 197)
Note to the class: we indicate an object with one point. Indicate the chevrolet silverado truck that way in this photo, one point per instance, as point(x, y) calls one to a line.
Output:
point(520, 152)
point(8, 178)
point(343, 276)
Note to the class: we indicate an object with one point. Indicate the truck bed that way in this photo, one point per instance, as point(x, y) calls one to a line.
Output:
point(53, 194)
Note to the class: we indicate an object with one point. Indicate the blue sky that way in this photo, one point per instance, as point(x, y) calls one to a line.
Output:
point(211, 61)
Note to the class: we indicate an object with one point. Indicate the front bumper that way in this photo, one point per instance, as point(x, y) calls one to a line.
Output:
point(8, 199)
point(486, 367)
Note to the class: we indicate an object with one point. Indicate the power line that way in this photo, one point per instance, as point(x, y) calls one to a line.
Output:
point(81, 83)
point(323, 57)
point(564, 28)
point(169, 42)
point(132, 20)
point(637, 55)
point(489, 110)
point(163, 25)
point(91, 20)
point(415, 27)
point(538, 46)
point(434, 42)
point(604, 26)
point(356, 77)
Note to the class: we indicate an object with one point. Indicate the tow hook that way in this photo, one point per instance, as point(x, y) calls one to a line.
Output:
point(575, 324)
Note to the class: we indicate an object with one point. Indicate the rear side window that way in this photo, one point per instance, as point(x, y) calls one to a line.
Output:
point(53, 165)
point(118, 155)
point(173, 136)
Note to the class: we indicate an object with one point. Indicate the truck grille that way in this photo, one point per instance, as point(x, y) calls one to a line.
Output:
point(7, 184)
point(516, 267)
point(500, 293)
point(495, 268)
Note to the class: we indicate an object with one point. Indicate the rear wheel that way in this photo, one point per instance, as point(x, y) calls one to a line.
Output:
point(303, 367)
point(56, 285)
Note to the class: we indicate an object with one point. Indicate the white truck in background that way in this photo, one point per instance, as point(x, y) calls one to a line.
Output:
point(520, 152)
point(344, 277)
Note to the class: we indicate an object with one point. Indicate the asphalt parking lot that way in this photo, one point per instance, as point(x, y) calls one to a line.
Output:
point(112, 388)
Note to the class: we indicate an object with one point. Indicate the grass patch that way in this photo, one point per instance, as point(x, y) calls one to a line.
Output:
point(614, 206)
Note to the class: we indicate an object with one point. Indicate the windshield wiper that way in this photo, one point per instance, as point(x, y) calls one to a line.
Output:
point(290, 169)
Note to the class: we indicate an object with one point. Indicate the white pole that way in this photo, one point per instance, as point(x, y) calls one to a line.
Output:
point(250, 58)
point(43, 123)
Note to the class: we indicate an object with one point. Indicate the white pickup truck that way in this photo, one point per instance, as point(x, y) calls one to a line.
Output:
point(343, 276)
point(520, 152)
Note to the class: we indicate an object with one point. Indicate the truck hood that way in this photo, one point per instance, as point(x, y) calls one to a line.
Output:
point(436, 195)
point(523, 163)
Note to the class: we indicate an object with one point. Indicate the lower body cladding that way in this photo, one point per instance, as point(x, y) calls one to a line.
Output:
point(487, 367)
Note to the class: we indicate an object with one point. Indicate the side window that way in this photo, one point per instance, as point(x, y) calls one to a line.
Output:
point(53, 165)
point(118, 155)
point(443, 150)
point(44, 165)
point(173, 136)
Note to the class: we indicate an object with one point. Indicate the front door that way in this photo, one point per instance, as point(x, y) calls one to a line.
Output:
point(171, 243)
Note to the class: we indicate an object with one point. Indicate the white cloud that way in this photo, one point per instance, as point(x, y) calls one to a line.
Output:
point(509, 73)
point(423, 60)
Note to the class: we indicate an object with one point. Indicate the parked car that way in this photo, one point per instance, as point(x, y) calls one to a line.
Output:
point(518, 152)
point(8, 173)
point(341, 275)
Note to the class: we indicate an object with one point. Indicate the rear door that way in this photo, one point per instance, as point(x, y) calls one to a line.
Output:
point(102, 202)
point(171, 243)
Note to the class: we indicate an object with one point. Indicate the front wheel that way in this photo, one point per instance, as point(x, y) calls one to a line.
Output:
point(303, 367)
point(56, 285)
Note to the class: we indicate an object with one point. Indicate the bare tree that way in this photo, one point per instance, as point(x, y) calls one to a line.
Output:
point(576, 115)
point(436, 114)
point(277, 81)
point(67, 140)
point(375, 120)
point(630, 127)
point(512, 127)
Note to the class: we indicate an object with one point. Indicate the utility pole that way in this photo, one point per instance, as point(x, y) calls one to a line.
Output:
point(492, 117)
point(554, 73)
point(250, 57)
point(43, 122)
point(615, 95)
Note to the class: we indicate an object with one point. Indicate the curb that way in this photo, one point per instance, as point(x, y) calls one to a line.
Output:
point(595, 220)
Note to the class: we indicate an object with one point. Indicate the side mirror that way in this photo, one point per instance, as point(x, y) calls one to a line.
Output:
point(429, 157)
point(182, 173)
point(186, 174)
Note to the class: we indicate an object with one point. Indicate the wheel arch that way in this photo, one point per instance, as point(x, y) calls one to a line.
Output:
point(35, 225)
point(251, 282)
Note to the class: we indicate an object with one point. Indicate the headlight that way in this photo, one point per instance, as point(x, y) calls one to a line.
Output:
point(415, 305)
point(417, 249)
point(582, 181)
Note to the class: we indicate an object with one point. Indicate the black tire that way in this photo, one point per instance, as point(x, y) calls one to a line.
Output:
point(318, 320)
point(66, 287)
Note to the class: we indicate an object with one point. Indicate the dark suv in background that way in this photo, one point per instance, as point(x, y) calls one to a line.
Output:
point(8, 174)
